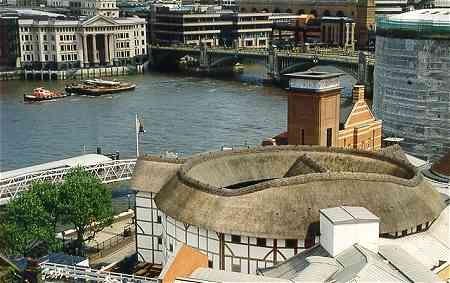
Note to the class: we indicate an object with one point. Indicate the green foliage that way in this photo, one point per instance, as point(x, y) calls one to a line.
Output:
point(30, 219)
point(28, 224)
point(85, 201)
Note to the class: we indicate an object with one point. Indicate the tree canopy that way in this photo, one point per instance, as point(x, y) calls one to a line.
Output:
point(31, 218)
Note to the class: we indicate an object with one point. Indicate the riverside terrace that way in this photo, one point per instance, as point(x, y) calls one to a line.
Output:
point(248, 209)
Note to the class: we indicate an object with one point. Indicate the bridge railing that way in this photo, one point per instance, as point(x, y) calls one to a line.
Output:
point(107, 172)
point(340, 54)
point(53, 271)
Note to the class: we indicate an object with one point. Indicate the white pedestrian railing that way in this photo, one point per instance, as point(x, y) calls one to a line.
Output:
point(53, 271)
point(107, 172)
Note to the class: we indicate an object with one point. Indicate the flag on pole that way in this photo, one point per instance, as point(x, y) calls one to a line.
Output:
point(139, 125)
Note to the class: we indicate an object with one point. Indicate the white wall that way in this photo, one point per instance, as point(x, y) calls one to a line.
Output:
point(336, 238)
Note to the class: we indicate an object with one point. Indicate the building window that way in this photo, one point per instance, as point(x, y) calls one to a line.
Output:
point(236, 268)
point(236, 239)
point(210, 263)
point(329, 137)
point(158, 219)
point(291, 243)
point(171, 247)
point(261, 242)
point(159, 241)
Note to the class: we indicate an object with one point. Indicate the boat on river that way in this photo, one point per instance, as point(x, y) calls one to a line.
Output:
point(42, 94)
point(98, 87)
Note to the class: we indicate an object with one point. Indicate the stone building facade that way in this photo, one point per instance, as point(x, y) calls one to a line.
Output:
point(362, 12)
point(97, 41)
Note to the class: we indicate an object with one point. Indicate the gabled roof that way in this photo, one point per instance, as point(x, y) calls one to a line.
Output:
point(360, 108)
point(99, 20)
point(355, 264)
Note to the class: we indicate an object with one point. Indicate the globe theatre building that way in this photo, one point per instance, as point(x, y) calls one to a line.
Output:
point(412, 80)
point(249, 209)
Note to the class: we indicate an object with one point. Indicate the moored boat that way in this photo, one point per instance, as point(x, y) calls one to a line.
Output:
point(41, 94)
point(98, 87)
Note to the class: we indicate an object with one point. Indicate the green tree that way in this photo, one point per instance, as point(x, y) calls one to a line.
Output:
point(87, 204)
point(27, 224)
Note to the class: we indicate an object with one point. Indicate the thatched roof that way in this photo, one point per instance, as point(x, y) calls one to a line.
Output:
point(288, 207)
point(152, 173)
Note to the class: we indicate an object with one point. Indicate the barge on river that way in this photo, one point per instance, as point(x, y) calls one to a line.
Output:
point(42, 94)
point(98, 87)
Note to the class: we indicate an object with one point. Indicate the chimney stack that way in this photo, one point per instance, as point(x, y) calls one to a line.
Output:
point(358, 93)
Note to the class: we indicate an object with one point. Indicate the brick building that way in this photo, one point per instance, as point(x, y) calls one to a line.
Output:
point(315, 116)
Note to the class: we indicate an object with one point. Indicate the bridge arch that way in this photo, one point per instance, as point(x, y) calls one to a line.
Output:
point(228, 60)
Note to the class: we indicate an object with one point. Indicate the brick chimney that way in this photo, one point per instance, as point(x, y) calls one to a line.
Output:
point(358, 93)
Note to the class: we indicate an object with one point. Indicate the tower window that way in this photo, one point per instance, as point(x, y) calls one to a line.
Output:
point(329, 137)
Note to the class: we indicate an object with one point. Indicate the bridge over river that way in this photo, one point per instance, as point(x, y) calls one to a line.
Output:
point(277, 62)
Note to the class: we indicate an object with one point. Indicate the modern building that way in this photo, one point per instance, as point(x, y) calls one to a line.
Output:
point(192, 25)
point(390, 7)
point(97, 41)
point(362, 12)
point(107, 8)
point(315, 116)
point(254, 208)
point(209, 25)
point(249, 30)
point(412, 80)
point(9, 42)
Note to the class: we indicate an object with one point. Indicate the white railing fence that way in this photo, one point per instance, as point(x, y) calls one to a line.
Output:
point(53, 271)
point(107, 172)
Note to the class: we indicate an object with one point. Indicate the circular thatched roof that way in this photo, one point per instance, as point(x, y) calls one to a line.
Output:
point(276, 192)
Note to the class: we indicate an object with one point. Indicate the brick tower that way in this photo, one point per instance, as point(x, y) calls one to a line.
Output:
point(313, 108)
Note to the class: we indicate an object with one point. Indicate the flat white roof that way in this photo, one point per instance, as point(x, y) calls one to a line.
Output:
point(428, 15)
point(348, 214)
point(83, 160)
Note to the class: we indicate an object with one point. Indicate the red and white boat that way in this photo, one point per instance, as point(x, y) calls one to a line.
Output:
point(41, 94)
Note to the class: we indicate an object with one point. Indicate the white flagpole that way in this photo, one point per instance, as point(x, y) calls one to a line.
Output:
point(137, 136)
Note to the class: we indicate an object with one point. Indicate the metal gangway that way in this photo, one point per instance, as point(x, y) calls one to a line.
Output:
point(52, 271)
point(108, 171)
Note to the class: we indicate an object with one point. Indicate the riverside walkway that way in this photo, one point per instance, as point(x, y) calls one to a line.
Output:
point(107, 170)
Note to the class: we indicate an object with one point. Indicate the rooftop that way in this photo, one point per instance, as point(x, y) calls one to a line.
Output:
point(277, 192)
point(312, 75)
point(348, 214)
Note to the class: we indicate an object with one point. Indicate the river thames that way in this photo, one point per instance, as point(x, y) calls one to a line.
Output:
point(181, 114)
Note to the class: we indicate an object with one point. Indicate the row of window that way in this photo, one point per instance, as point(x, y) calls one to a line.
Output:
point(123, 54)
point(123, 44)
point(68, 37)
point(69, 57)
point(69, 47)
point(123, 35)
point(136, 42)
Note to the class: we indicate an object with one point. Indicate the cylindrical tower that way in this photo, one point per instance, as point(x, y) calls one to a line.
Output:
point(412, 80)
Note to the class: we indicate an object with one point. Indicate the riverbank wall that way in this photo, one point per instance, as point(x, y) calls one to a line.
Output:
point(20, 74)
